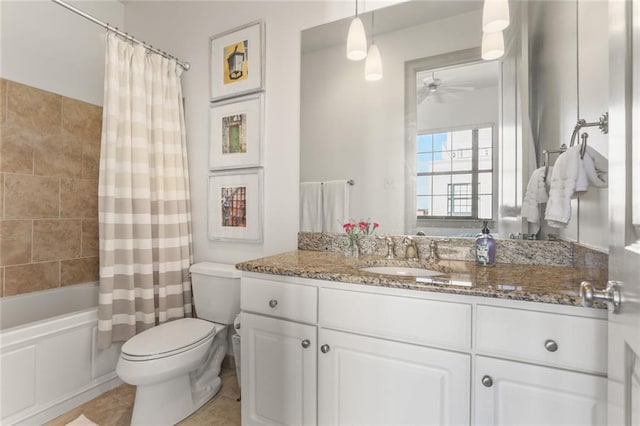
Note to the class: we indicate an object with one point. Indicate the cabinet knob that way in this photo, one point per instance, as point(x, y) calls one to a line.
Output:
point(487, 381)
point(551, 345)
point(306, 343)
point(273, 303)
point(325, 348)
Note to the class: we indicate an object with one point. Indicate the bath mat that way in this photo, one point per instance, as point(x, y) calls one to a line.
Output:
point(81, 421)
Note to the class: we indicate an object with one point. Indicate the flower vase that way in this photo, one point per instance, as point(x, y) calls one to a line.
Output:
point(352, 250)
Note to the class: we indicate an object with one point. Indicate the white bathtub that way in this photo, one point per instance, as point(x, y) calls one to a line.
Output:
point(49, 362)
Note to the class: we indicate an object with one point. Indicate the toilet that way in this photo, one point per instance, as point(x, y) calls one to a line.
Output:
point(176, 365)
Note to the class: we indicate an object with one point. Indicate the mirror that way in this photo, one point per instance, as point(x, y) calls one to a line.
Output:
point(365, 131)
point(355, 129)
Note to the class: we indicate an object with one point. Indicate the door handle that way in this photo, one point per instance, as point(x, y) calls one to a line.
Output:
point(610, 295)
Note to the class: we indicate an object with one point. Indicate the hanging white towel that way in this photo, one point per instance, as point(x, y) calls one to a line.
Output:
point(311, 207)
point(595, 167)
point(336, 205)
point(536, 194)
point(568, 180)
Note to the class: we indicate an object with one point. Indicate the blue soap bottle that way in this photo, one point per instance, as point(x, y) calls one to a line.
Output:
point(485, 247)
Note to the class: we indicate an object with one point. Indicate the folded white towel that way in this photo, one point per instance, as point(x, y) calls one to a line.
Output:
point(311, 207)
point(595, 167)
point(568, 180)
point(81, 421)
point(536, 194)
point(335, 205)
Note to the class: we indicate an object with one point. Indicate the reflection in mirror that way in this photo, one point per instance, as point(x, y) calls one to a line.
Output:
point(454, 116)
point(355, 129)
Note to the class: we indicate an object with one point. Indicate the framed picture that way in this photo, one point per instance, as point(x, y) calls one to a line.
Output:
point(235, 133)
point(235, 205)
point(236, 62)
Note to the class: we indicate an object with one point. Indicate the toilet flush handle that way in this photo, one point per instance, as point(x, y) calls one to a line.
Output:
point(273, 303)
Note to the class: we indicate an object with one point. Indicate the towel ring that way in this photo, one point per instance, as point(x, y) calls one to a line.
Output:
point(583, 145)
point(546, 162)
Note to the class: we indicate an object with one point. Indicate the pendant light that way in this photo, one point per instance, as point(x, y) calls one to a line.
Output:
point(357, 39)
point(373, 66)
point(495, 15)
point(492, 46)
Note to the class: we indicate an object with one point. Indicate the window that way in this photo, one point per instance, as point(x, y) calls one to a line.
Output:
point(455, 174)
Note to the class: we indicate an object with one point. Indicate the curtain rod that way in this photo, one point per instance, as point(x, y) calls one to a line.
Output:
point(185, 65)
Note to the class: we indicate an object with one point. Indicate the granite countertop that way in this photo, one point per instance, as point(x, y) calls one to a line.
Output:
point(535, 283)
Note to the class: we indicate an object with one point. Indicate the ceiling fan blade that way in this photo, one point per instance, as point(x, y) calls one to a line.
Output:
point(461, 88)
point(422, 94)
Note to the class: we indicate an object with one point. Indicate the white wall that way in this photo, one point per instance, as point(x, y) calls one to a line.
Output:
point(570, 77)
point(184, 28)
point(46, 46)
point(368, 145)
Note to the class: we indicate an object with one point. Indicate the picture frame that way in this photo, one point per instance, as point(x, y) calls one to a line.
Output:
point(235, 205)
point(236, 132)
point(236, 61)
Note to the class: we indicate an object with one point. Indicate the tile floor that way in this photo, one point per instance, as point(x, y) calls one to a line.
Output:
point(113, 408)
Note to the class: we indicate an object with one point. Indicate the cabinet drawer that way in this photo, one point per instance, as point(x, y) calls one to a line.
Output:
point(291, 301)
point(530, 336)
point(420, 321)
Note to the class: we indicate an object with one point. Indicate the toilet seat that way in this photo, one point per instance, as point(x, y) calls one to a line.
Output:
point(168, 339)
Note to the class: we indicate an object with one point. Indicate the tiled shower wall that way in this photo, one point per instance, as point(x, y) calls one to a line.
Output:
point(49, 158)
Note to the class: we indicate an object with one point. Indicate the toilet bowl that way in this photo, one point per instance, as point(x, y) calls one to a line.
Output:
point(176, 365)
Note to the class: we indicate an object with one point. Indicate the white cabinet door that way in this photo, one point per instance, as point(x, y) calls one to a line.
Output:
point(513, 393)
point(370, 381)
point(278, 371)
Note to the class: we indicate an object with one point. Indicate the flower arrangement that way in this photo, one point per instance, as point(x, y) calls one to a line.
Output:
point(354, 231)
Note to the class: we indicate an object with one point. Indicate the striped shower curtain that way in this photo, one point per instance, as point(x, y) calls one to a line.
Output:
point(144, 211)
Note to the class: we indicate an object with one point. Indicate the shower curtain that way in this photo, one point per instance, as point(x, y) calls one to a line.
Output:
point(143, 208)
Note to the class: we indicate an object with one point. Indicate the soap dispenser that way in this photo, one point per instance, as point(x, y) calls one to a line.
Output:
point(485, 247)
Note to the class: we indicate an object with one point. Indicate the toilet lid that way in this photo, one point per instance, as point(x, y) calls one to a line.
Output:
point(168, 338)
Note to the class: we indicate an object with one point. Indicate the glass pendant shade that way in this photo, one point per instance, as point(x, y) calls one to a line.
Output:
point(373, 66)
point(492, 46)
point(356, 41)
point(495, 15)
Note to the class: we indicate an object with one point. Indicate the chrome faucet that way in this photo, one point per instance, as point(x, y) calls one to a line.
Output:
point(390, 246)
point(433, 248)
point(412, 249)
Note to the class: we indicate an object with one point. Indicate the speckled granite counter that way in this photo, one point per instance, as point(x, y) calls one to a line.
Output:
point(539, 283)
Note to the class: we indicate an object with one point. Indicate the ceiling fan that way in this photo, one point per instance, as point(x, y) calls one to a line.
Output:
point(436, 89)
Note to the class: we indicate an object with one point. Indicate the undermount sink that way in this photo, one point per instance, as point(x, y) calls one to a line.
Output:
point(401, 271)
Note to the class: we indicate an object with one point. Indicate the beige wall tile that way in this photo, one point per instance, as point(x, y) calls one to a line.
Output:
point(3, 101)
point(78, 198)
point(33, 277)
point(82, 119)
point(33, 108)
point(16, 149)
point(1, 196)
point(30, 197)
point(90, 160)
point(15, 242)
point(58, 155)
point(1, 282)
point(82, 270)
point(90, 241)
point(56, 239)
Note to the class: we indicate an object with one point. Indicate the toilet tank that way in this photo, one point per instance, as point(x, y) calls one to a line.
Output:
point(216, 291)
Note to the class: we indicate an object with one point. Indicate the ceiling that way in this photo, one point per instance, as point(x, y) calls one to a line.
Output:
point(388, 19)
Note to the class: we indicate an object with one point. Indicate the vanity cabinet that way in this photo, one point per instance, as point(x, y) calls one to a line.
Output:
point(330, 353)
point(278, 371)
point(515, 393)
point(370, 381)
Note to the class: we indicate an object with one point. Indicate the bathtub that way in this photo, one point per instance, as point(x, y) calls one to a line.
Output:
point(49, 362)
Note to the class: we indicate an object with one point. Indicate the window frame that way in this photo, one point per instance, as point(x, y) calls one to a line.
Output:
point(464, 221)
